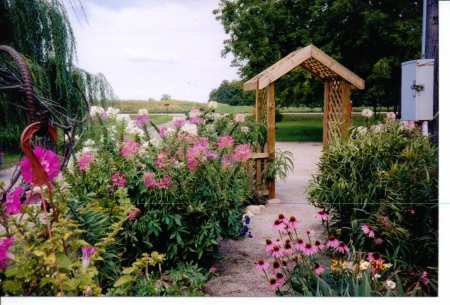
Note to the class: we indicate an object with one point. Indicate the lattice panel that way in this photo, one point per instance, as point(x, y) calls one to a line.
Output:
point(262, 105)
point(334, 107)
point(318, 68)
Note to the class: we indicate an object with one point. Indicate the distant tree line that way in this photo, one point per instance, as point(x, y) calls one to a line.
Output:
point(232, 93)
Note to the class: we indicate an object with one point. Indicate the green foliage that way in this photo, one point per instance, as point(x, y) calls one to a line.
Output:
point(232, 93)
point(280, 165)
point(371, 39)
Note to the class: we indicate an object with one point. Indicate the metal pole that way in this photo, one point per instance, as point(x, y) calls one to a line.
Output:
point(424, 28)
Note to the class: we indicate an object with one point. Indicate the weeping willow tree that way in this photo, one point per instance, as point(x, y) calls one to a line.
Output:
point(41, 32)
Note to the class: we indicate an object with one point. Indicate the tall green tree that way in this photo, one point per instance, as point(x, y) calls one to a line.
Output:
point(41, 32)
point(371, 38)
point(232, 93)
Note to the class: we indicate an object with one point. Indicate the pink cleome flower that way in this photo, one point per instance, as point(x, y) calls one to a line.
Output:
point(6, 256)
point(390, 116)
point(164, 183)
point(240, 117)
point(119, 180)
point(242, 153)
point(85, 160)
point(142, 120)
point(368, 230)
point(49, 161)
point(225, 142)
point(131, 148)
point(227, 161)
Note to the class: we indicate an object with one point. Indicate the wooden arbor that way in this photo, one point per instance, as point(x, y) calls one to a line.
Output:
point(338, 80)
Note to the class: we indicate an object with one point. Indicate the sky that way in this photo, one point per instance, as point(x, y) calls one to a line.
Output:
point(147, 48)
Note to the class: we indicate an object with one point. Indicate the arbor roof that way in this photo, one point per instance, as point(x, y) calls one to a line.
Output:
point(310, 58)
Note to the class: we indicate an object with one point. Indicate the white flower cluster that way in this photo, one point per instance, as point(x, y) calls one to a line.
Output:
point(189, 128)
point(212, 104)
point(143, 112)
point(367, 113)
point(112, 112)
point(195, 113)
point(94, 110)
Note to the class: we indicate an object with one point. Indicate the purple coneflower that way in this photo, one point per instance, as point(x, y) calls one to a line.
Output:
point(319, 268)
point(269, 246)
point(368, 230)
point(293, 223)
point(319, 245)
point(374, 256)
point(280, 278)
point(310, 232)
point(278, 225)
point(322, 215)
point(332, 242)
point(343, 247)
point(300, 244)
point(288, 249)
point(262, 265)
point(276, 267)
point(277, 251)
point(274, 284)
point(309, 249)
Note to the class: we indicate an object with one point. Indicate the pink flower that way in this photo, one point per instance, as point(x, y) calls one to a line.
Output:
point(278, 225)
point(409, 125)
point(288, 249)
point(239, 117)
point(196, 121)
point(276, 267)
point(269, 246)
point(332, 242)
point(118, 180)
point(319, 268)
point(227, 161)
point(142, 121)
point(87, 254)
point(280, 278)
point(85, 160)
point(424, 278)
point(242, 153)
point(13, 203)
point(300, 244)
point(368, 230)
point(6, 256)
point(48, 160)
point(225, 141)
point(131, 148)
point(178, 123)
point(277, 251)
point(293, 223)
point(374, 256)
point(212, 269)
point(343, 247)
point(390, 116)
point(309, 249)
point(322, 215)
point(262, 265)
point(274, 284)
point(164, 183)
point(319, 245)
point(378, 241)
point(134, 213)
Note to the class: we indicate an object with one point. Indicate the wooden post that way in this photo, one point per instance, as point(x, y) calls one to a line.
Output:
point(345, 98)
point(271, 131)
point(325, 112)
point(257, 103)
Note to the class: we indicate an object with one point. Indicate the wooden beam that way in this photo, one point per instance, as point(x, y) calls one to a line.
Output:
point(271, 132)
point(285, 65)
point(325, 113)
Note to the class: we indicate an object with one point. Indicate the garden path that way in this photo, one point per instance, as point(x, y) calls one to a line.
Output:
point(236, 275)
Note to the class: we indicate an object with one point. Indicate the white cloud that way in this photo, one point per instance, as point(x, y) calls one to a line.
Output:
point(148, 48)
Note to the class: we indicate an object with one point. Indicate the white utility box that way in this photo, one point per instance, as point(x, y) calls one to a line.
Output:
point(417, 90)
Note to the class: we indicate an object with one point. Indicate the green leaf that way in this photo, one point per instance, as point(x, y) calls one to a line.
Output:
point(12, 287)
point(69, 285)
point(130, 270)
point(63, 262)
point(123, 280)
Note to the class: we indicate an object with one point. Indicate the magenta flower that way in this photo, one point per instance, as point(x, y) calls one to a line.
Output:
point(242, 153)
point(6, 256)
point(212, 269)
point(319, 245)
point(225, 142)
point(164, 183)
point(424, 278)
point(300, 244)
point(178, 123)
point(85, 160)
point(211, 155)
point(309, 249)
point(87, 254)
point(227, 161)
point(332, 242)
point(118, 180)
point(195, 121)
point(342, 247)
point(134, 213)
point(276, 267)
point(378, 241)
point(48, 160)
point(262, 265)
point(322, 215)
point(274, 284)
point(280, 278)
point(319, 268)
point(13, 203)
point(374, 256)
point(131, 148)
point(278, 225)
point(293, 223)
point(269, 246)
point(368, 230)
point(142, 121)
point(277, 251)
